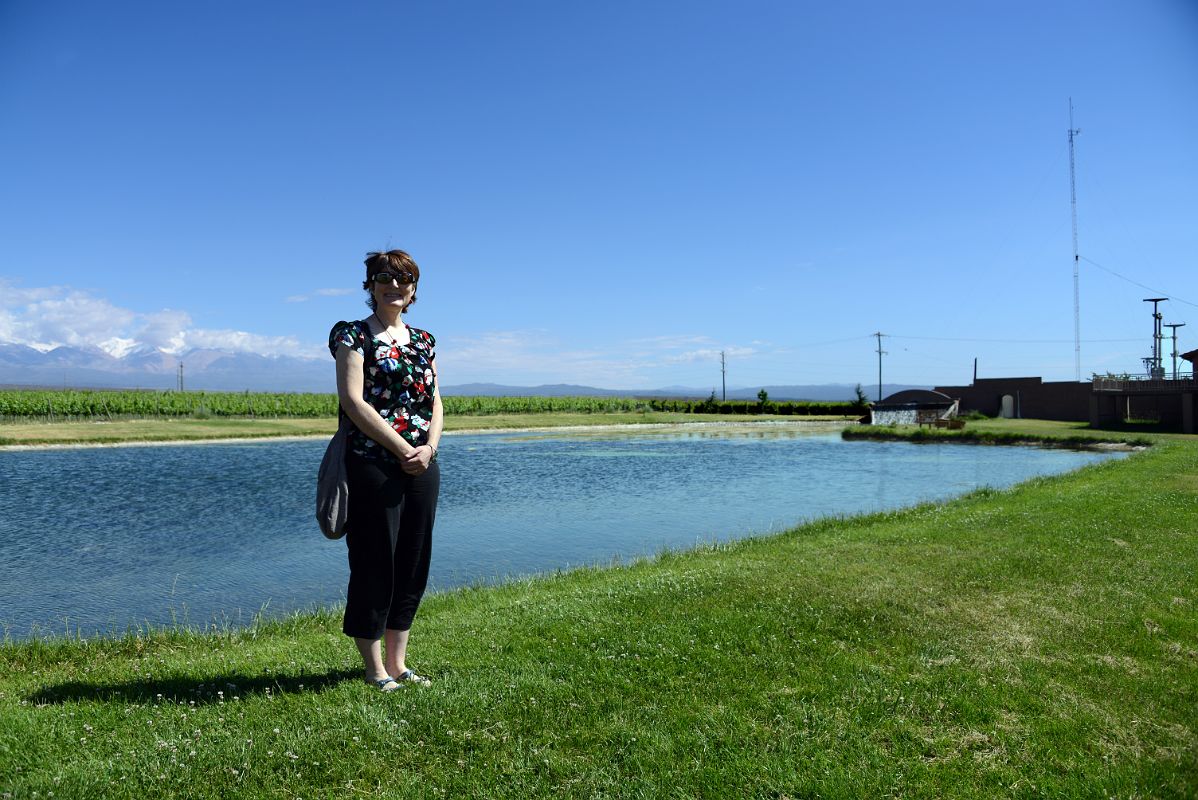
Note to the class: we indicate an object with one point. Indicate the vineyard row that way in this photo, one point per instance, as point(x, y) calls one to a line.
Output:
point(24, 403)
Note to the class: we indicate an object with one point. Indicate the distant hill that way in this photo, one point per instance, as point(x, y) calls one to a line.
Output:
point(544, 390)
point(825, 391)
point(217, 370)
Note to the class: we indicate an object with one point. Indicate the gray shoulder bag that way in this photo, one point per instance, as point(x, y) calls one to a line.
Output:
point(332, 483)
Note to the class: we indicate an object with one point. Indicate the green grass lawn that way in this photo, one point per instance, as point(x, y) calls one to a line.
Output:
point(166, 429)
point(1038, 641)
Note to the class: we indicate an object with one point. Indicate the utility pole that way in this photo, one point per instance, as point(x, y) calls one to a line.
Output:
point(723, 377)
point(1077, 324)
point(180, 376)
point(881, 353)
point(1155, 370)
point(1175, 326)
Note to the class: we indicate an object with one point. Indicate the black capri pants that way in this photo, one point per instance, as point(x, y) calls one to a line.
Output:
point(390, 541)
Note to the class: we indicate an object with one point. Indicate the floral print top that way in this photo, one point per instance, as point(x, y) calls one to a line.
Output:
point(399, 383)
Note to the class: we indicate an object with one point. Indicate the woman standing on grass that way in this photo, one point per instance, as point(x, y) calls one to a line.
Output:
point(387, 386)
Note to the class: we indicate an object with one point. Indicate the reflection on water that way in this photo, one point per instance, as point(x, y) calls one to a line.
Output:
point(688, 431)
point(99, 539)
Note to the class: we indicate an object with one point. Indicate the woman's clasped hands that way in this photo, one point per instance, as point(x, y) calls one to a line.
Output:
point(417, 461)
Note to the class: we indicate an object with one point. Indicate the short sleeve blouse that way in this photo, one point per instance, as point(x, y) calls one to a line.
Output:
point(399, 383)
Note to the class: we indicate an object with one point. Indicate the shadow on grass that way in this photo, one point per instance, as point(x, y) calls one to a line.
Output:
point(213, 689)
point(1138, 426)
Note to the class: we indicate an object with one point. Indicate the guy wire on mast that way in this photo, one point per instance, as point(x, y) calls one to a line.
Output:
point(1077, 325)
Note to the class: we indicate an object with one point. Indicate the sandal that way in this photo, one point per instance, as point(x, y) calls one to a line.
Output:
point(385, 683)
point(409, 676)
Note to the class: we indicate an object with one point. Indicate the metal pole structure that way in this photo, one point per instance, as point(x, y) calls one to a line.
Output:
point(1077, 324)
point(723, 377)
point(1175, 326)
point(180, 376)
point(1156, 370)
point(881, 353)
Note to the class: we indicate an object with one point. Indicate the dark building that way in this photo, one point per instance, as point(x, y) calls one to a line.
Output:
point(1027, 397)
point(1100, 402)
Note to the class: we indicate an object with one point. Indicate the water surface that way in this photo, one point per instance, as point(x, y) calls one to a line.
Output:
point(96, 540)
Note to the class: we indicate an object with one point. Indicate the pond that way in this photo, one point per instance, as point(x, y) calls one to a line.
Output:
point(95, 540)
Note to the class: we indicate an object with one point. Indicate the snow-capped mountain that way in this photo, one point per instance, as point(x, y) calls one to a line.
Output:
point(151, 368)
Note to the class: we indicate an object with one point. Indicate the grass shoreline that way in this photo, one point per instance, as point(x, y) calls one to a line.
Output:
point(1074, 438)
point(1034, 641)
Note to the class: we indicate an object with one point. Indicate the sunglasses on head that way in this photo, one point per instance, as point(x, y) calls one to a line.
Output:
point(402, 278)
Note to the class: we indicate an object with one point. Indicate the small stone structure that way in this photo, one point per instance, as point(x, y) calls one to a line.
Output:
point(913, 407)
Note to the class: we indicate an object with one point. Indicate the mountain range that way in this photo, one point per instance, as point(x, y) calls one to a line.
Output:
point(150, 368)
point(218, 370)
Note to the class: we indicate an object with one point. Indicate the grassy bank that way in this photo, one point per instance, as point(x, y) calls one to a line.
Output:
point(183, 429)
point(1039, 641)
point(1007, 432)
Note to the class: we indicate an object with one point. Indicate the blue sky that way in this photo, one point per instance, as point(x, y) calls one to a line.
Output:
point(607, 193)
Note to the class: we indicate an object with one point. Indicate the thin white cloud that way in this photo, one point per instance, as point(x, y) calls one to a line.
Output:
point(241, 341)
point(165, 330)
point(531, 357)
point(47, 317)
point(303, 298)
point(671, 341)
point(710, 354)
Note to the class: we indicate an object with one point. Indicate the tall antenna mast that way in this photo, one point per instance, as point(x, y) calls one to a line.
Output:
point(1077, 314)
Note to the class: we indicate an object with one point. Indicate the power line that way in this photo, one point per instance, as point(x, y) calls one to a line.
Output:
point(881, 353)
point(723, 377)
point(1003, 341)
point(1172, 297)
point(1175, 326)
